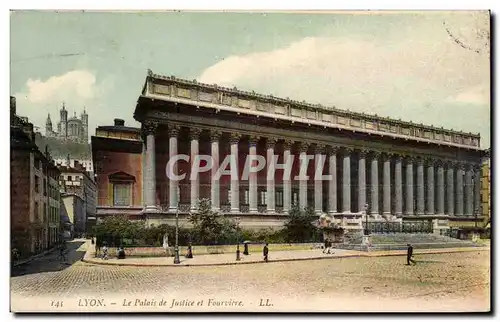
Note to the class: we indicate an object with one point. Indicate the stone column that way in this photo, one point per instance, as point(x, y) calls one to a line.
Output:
point(450, 190)
point(302, 182)
point(194, 134)
point(318, 183)
point(420, 187)
point(459, 193)
point(144, 170)
point(149, 128)
point(430, 187)
point(287, 183)
point(346, 181)
point(215, 182)
point(440, 188)
point(409, 186)
point(362, 180)
point(270, 183)
point(173, 191)
point(253, 140)
point(332, 184)
point(477, 190)
point(398, 189)
point(235, 186)
point(374, 210)
point(387, 185)
point(469, 191)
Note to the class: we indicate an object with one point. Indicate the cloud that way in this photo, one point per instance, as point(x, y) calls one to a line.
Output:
point(478, 95)
point(399, 77)
point(78, 89)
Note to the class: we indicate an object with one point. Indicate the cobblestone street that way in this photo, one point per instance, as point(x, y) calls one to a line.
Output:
point(463, 277)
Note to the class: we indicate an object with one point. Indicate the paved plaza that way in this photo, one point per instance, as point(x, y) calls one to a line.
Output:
point(457, 282)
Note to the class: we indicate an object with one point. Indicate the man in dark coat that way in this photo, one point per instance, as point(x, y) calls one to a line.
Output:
point(189, 253)
point(409, 255)
point(265, 252)
point(245, 248)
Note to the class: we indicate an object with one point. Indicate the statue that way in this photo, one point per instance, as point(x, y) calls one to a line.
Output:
point(165, 241)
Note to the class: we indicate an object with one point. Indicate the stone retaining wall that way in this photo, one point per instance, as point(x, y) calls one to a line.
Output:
point(204, 250)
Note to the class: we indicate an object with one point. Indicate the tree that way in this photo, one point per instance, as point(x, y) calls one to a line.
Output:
point(210, 227)
point(299, 226)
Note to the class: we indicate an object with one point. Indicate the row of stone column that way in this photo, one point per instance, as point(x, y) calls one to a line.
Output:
point(455, 199)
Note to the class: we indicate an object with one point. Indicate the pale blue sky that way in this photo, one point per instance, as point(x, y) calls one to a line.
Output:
point(398, 65)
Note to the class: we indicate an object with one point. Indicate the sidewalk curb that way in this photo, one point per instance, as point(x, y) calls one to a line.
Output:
point(367, 254)
point(34, 257)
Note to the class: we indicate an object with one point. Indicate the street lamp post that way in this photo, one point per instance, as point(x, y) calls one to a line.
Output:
point(237, 219)
point(176, 257)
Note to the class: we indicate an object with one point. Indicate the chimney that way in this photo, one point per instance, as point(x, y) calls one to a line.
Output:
point(119, 122)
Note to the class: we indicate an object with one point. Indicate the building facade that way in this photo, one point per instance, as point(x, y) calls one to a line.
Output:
point(395, 170)
point(35, 197)
point(73, 208)
point(85, 163)
point(80, 183)
point(118, 164)
point(72, 129)
point(486, 188)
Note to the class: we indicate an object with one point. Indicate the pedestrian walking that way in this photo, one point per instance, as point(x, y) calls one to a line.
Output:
point(189, 253)
point(265, 252)
point(409, 255)
point(62, 253)
point(245, 248)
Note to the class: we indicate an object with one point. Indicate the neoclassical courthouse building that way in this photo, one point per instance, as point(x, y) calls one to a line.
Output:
point(397, 171)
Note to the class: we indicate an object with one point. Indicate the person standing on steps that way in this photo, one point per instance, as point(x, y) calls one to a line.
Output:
point(265, 252)
point(409, 255)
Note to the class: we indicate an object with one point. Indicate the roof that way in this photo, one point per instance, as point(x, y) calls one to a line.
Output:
point(119, 128)
point(254, 95)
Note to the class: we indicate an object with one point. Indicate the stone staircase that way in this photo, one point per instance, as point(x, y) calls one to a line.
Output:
point(399, 241)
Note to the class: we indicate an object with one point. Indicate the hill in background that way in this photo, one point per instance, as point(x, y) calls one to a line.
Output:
point(60, 149)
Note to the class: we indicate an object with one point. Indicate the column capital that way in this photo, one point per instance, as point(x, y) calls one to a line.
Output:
point(303, 146)
point(410, 159)
point(419, 160)
point(476, 167)
point(271, 142)
point(149, 127)
point(469, 166)
point(215, 135)
point(234, 137)
point(332, 149)
point(430, 161)
point(363, 153)
point(398, 157)
point(194, 133)
point(173, 130)
point(386, 156)
point(319, 148)
point(253, 139)
point(346, 150)
point(287, 144)
point(461, 165)
point(438, 162)
point(375, 154)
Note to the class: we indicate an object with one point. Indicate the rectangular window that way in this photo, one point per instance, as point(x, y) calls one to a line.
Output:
point(44, 187)
point(245, 197)
point(36, 211)
point(263, 197)
point(69, 178)
point(37, 184)
point(279, 198)
point(121, 194)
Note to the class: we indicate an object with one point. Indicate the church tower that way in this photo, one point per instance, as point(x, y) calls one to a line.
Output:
point(64, 122)
point(48, 127)
point(85, 126)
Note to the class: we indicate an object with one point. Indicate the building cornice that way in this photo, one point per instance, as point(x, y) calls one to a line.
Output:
point(176, 90)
